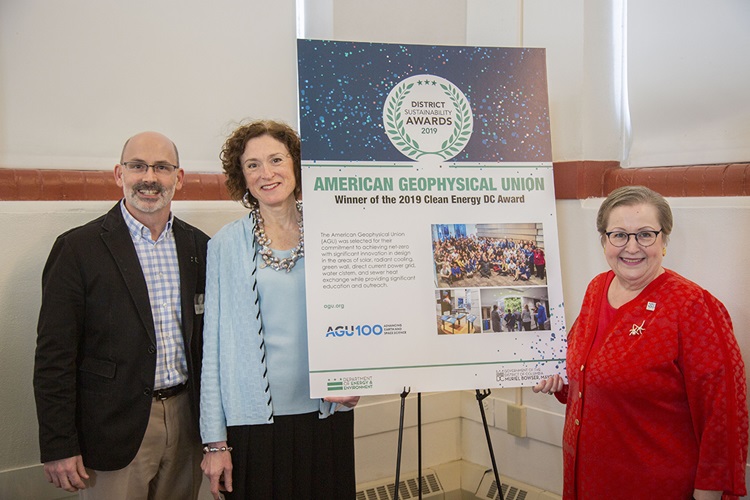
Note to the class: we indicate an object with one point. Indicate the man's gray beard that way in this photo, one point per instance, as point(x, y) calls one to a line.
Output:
point(166, 196)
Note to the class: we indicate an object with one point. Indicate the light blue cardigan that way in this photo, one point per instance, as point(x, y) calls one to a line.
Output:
point(234, 386)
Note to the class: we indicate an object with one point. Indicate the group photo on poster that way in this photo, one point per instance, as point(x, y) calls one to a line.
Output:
point(488, 254)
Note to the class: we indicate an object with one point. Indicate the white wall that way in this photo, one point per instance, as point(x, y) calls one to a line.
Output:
point(79, 77)
point(688, 74)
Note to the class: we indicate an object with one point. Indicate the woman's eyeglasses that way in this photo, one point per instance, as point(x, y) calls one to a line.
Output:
point(643, 238)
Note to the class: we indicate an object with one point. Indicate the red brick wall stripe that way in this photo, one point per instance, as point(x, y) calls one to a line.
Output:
point(56, 185)
point(587, 179)
point(573, 180)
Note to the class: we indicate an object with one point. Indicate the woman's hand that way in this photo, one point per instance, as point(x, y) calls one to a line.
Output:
point(217, 466)
point(348, 401)
point(549, 385)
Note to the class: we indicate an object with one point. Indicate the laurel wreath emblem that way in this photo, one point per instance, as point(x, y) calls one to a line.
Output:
point(462, 127)
point(394, 124)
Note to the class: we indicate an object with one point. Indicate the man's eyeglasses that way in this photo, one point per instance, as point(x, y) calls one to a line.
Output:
point(643, 238)
point(141, 167)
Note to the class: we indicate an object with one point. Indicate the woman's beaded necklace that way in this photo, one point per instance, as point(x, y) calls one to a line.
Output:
point(266, 253)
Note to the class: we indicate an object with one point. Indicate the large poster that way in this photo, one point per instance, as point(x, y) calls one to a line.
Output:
point(430, 232)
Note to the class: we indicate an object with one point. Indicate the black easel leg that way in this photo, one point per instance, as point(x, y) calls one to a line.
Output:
point(480, 397)
point(419, 441)
point(400, 440)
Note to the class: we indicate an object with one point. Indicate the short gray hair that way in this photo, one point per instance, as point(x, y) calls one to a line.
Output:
point(635, 195)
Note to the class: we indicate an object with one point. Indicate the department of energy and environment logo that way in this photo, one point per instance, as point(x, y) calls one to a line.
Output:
point(425, 115)
point(349, 383)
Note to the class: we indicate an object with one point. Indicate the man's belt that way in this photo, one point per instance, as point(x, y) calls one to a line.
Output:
point(162, 394)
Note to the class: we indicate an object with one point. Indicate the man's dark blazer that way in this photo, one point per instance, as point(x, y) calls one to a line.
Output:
point(96, 346)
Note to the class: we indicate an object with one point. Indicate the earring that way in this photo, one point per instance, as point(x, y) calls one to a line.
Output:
point(664, 252)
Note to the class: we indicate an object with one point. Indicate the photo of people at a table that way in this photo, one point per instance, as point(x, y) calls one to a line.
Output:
point(457, 311)
point(488, 255)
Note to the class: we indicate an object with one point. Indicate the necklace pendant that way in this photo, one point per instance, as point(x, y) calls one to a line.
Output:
point(265, 251)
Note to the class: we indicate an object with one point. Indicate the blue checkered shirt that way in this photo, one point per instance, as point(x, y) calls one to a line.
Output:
point(162, 272)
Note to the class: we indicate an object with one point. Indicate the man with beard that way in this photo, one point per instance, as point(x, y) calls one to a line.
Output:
point(119, 341)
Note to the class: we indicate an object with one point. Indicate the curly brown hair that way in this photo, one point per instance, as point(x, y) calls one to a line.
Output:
point(234, 147)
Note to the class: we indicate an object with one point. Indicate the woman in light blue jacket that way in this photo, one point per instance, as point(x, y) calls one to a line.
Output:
point(265, 437)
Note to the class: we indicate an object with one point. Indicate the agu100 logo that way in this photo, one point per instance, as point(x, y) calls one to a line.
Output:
point(354, 331)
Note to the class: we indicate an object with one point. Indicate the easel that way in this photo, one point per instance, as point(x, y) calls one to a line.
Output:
point(481, 395)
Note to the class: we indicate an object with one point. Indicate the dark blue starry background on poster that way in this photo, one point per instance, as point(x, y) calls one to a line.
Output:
point(343, 87)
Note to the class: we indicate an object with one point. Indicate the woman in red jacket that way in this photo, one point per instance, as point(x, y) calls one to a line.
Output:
point(539, 263)
point(657, 398)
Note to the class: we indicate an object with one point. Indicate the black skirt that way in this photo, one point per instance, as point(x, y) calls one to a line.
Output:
point(299, 457)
